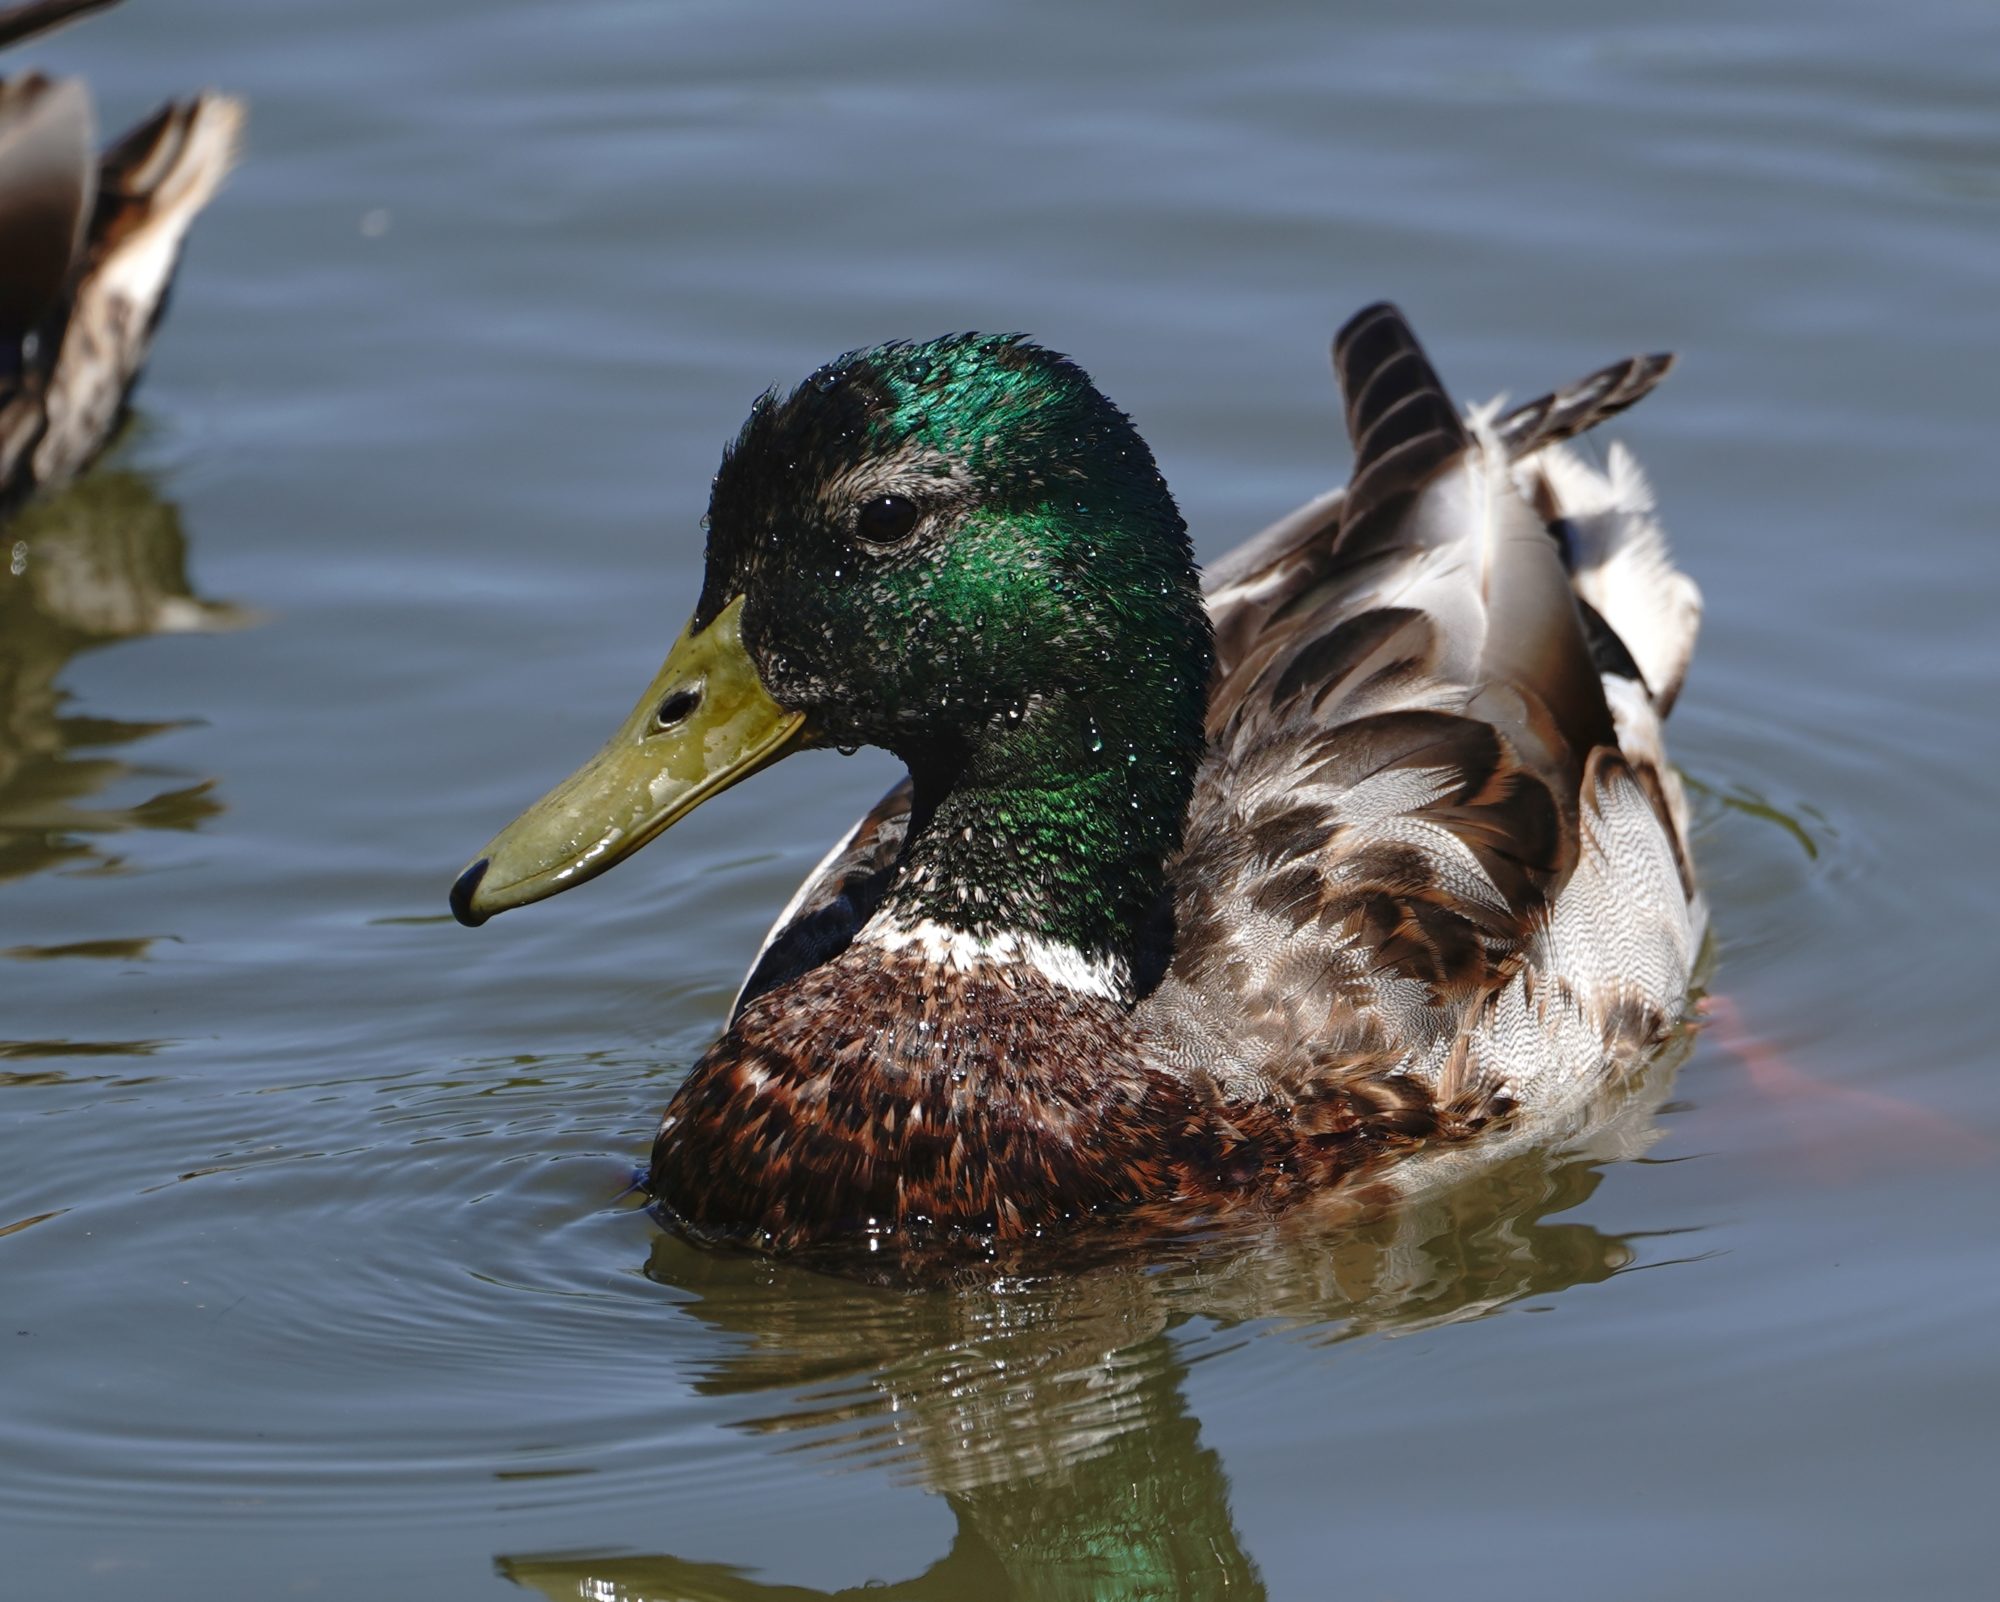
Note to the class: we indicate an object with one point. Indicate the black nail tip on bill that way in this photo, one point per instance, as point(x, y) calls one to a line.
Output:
point(462, 893)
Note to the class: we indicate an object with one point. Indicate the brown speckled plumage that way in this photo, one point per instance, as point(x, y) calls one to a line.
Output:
point(894, 1101)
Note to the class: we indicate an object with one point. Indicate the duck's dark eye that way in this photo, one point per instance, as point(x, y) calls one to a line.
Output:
point(886, 519)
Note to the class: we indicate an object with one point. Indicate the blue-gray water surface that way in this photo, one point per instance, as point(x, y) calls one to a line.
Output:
point(317, 1275)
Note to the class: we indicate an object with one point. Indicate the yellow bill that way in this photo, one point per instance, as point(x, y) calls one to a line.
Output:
point(704, 722)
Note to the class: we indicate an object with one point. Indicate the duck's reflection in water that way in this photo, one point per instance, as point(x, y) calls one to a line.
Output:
point(1051, 1413)
point(104, 561)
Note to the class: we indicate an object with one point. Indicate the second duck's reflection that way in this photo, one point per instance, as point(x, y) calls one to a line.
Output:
point(1050, 1412)
point(105, 561)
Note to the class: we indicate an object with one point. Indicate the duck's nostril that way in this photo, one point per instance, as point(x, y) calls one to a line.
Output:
point(463, 891)
point(677, 707)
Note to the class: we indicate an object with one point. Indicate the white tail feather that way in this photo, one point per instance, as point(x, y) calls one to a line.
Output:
point(1623, 567)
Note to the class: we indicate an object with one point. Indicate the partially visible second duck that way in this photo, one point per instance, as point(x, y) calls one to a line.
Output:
point(1366, 864)
point(88, 248)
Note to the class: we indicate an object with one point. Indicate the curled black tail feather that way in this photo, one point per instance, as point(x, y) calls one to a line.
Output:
point(1569, 411)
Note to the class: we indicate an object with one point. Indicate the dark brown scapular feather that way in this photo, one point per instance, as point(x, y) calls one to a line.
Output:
point(1402, 423)
point(47, 185)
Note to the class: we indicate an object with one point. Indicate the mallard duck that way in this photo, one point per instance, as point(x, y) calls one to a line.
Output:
point(88, 248)
point(1365, 863)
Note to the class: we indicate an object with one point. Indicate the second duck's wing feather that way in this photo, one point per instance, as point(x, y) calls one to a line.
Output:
point(43, 16)
point(47, 185)
point(151, 185)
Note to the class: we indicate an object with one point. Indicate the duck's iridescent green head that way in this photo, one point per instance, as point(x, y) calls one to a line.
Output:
point(929, 537)
point(957, 550)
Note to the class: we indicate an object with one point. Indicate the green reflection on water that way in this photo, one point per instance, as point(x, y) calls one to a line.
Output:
point(1740, 797)
point(104, 561)
point(27, 1050)
point(1051, 1414)
point(134, 950)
